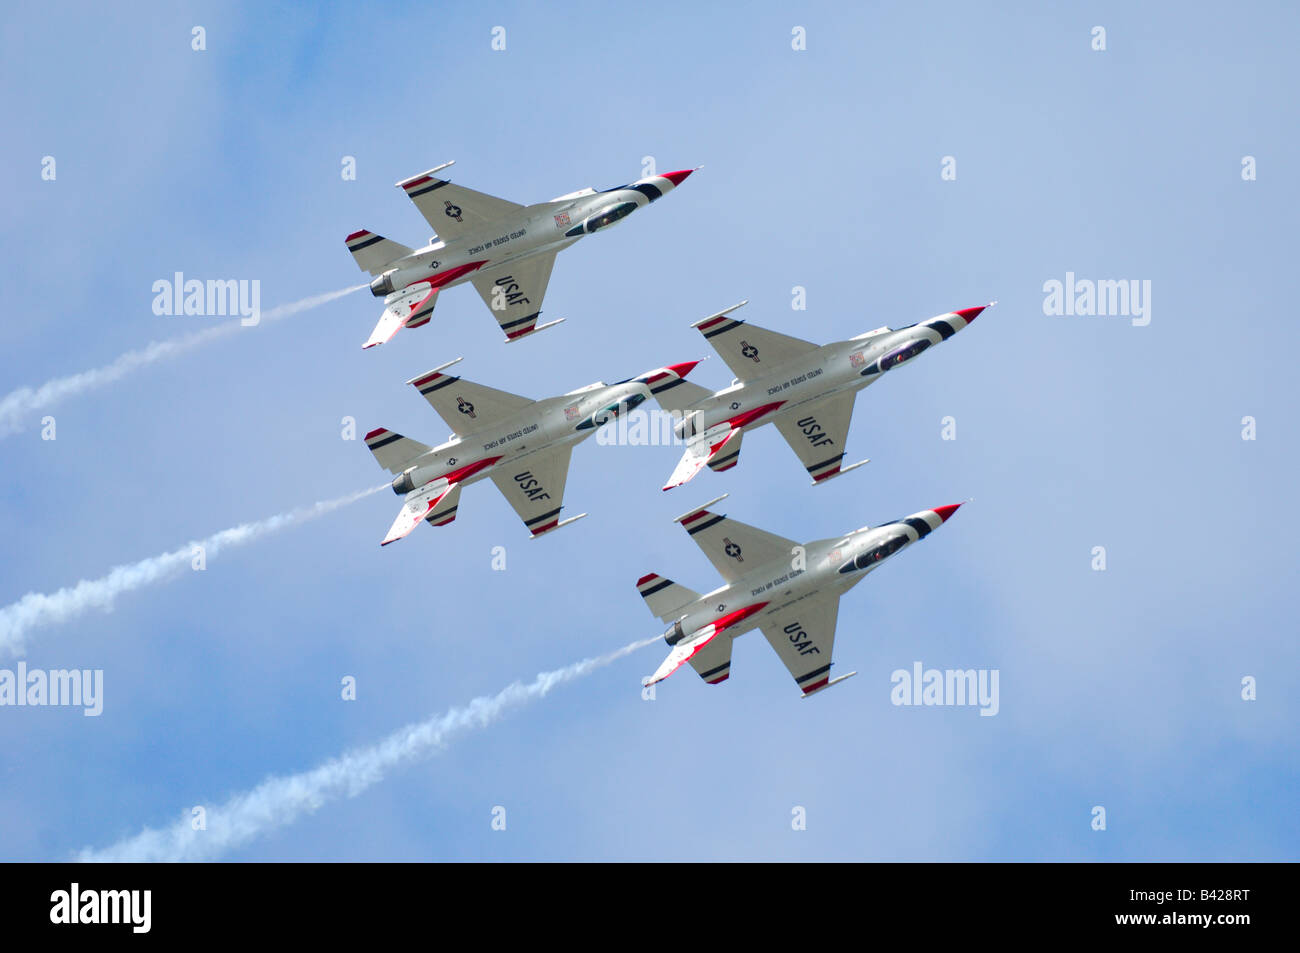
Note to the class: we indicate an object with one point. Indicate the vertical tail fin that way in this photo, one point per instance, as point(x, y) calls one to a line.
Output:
point(719, 447)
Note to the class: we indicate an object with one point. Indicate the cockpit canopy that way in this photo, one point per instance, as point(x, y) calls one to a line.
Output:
point(610, 216)
point(876, 553)
point(903, 354)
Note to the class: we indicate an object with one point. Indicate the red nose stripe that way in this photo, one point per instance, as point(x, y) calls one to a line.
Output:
point(681, 370)
point(970, 314)
point(677, 178)
point(946, 511)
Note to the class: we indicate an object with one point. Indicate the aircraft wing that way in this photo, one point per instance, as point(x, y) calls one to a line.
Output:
point(817, 434)
point(464, 405)
point(804, 637)
point(513, 292)
point(453, 210)
point(534, 486)
point(732, 546)
point(749, 350)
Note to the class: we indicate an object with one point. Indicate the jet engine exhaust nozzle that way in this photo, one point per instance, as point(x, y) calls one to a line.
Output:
point(382, 286)
point(403, 484)
point(674, 633)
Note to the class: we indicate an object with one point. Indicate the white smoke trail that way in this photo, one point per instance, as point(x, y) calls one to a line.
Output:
point(37, 609)
point(18, 408)
point(279, 801)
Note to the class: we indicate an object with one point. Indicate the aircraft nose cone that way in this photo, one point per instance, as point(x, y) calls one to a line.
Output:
point(677, 178)
point(681, 370)
point(947, 511)
point(970, 314)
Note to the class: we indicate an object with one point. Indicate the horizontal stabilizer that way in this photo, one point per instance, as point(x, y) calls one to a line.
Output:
point(393, 451)
point(374, 253)
point(664, 597)
point(681, 395)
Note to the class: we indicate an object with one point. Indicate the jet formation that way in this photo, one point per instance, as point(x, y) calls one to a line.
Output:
point(789, 591)
point(506, 250)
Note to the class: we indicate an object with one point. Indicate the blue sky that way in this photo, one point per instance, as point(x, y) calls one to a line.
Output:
point(822, 170)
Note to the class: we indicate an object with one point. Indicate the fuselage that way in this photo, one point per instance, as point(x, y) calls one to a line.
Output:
point(546, 227)
point(836, 368)
point(507, 442)
point(824, 566)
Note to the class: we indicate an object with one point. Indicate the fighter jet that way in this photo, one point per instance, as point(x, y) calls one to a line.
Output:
point(522, 444)
point(805, 389)
point(504, 249)
point(791, 592)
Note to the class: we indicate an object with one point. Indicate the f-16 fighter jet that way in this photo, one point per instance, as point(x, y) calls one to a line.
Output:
point(523, 445)
point(807, 390)
point(789, 591)
point(504, 249)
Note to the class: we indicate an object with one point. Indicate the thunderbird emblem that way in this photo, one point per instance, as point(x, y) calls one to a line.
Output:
point(562, 220)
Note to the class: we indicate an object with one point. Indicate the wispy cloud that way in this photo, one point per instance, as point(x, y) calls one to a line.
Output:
point(19, 408)
point(280, 801)
point(39, 609)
